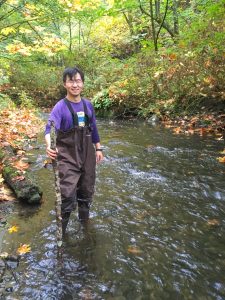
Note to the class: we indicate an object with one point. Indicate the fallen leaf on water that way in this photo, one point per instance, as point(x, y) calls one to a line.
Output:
point(141, 216)
point(47, 161)
point(23, 249)
point(221, 159)
point(150, 146)
point(134, 250)
point(222, 152)
point(213, 222)
point(13, 229)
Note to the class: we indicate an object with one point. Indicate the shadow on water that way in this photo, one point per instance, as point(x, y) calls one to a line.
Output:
point(156, 230)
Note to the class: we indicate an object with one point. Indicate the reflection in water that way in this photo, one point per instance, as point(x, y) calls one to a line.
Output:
point(156, 228)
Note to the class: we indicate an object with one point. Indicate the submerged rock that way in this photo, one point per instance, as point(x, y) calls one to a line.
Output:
point(153, 120)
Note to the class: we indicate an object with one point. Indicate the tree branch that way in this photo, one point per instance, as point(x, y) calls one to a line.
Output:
point(21, 22)
point(9, 13)
point(158, 20)
point(31, 26)
point(143, 10)
point(165, 26)
point(163, 20)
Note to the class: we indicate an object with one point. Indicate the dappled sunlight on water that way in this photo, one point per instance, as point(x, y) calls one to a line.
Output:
point(151, 234)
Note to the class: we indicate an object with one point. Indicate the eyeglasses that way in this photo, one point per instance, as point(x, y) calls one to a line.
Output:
point(71, 82)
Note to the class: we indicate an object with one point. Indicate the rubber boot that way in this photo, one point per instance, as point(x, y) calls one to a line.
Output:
point(65, 220)
point(83, 212)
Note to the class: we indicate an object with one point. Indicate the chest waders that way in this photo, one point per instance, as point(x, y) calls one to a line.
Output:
point(77, 161)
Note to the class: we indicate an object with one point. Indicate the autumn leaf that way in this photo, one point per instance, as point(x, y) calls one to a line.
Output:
point(172, 56)
point(18, 178)
point(23, 249)
point(134, 250)
point(1, 178)
point(13, 229)
point(177, 130)
point(20, 152)
point(222, 152)
point(221, 159)
point(213, 222)
point(6, 194)
point(21, 165)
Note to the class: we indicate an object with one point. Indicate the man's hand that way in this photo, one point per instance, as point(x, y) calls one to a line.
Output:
point(51, 153)
point(99, 156)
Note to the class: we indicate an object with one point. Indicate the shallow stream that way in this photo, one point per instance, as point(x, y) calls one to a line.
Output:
point(157, 228)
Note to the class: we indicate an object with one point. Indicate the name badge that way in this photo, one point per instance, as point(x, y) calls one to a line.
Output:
point(81, 120)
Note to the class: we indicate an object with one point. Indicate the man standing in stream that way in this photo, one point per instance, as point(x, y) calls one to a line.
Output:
point(77, 147)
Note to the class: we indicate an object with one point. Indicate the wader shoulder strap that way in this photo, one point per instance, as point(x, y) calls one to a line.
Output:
point(87, 121)
point(74, 116)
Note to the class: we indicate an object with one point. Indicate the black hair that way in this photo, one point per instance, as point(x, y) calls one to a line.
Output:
point(71, 72)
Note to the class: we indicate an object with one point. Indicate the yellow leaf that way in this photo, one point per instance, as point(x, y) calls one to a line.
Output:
point(23, 249)
point(12, 2)
point(221, 159)
point(222, 152)
point(8, 30)
point(13, 229)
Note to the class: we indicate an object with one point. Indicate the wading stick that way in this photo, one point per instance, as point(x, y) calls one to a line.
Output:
point(58, 201)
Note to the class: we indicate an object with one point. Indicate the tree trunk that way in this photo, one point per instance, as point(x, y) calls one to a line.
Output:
point(70, 34)
point(153, 26)
point(175, 18)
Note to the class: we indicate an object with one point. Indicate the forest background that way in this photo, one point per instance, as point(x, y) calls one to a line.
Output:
point(140, 57)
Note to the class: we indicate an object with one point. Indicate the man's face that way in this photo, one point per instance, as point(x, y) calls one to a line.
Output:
point(74, 86)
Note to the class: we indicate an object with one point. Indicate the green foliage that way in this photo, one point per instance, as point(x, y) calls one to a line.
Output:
point(5, 102)
point(24, 100)
point(40, 82)
point(102, 100)
point(112, 41)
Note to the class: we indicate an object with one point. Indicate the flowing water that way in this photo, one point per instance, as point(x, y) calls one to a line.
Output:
point(157, 228)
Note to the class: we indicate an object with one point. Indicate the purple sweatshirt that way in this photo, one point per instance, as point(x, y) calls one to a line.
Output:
point(62, 117)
